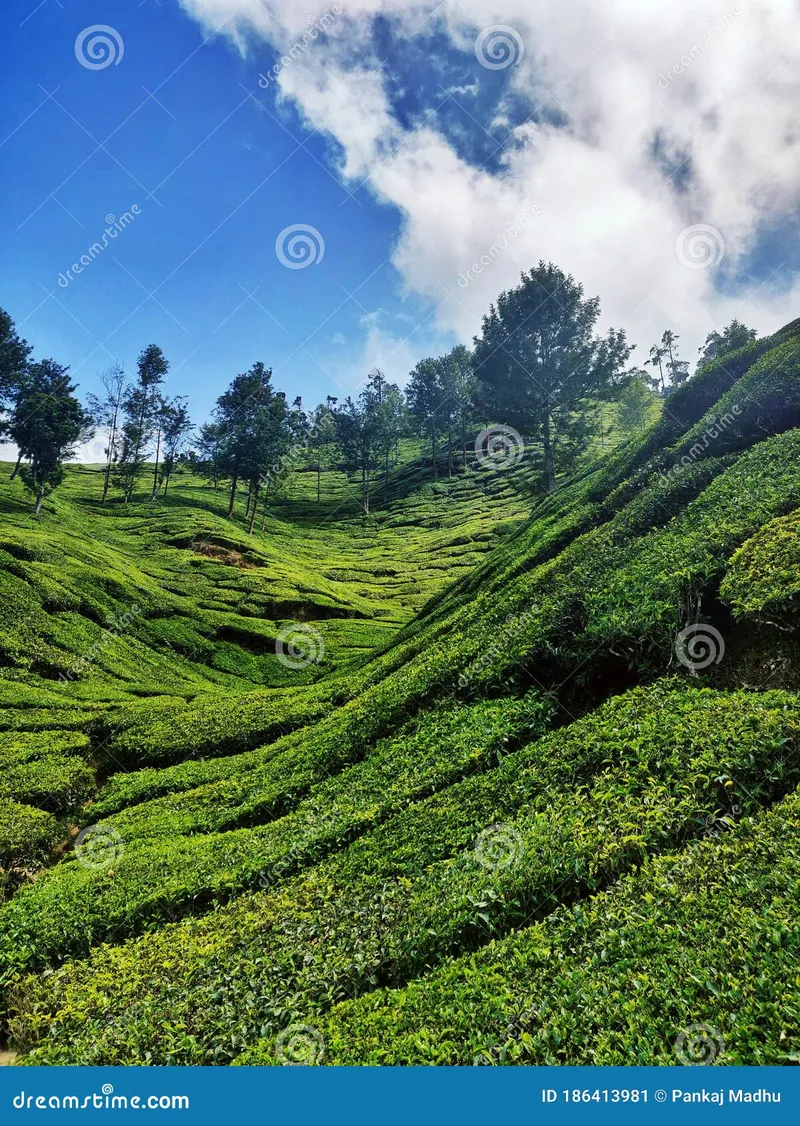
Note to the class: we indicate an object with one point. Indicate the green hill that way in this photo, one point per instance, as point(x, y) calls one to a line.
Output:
point(461, 782)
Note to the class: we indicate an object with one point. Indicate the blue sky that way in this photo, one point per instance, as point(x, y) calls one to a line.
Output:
point(216, 176)
point(429, 169)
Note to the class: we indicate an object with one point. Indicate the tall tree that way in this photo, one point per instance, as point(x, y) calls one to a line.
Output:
point(425, 396)
point(458, 386)
point(539, 361)
point(320, 438)
point(209, 451)
point(14, 355)
point(733, 337)
point(140, 406)
point(357, 438)
point(656, 361)
point(677, 369)
point(636, 404)
point(176, 428)
point(385, 419)
point(106, 413)
point(255, 428)
point(47, 424)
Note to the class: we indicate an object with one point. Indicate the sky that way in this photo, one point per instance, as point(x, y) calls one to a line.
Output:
point(329, 188)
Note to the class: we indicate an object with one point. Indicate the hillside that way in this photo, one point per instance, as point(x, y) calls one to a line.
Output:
point(528, 794)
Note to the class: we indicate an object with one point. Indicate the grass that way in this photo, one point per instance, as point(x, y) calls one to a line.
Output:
point(500, 785)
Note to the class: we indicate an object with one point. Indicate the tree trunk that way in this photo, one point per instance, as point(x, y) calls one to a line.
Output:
point(365, 490)
point(449, 451)
point(433, 448)
point(234, 483)
point(16, 468)
point(155, 471)
point(549, 456)
point(112, 445)
point(318, 484)
point(386, 479)
point(37, 508)
point(253, 511)
point(464, 445)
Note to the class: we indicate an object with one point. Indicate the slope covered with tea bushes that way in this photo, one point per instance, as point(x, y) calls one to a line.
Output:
point(536, 801)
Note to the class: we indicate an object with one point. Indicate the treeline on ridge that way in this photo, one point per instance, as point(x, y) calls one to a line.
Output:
point(538, 369)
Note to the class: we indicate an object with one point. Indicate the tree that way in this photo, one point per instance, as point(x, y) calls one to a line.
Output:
point(734, 336)
point(255, 432)
point(635, 404)
point(14, 355)
point(425, 397)
point(357, 437)
point(47, 424)
point(209, 451)
point(141, 407)
point(677, 369)
point(176, 428)
point(385, 418)
point(539, 361)
point(320, 437)
point(656, 361)
point(458, 386)
point(106, 412)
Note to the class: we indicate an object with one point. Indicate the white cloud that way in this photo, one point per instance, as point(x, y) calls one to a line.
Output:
point(716, 83)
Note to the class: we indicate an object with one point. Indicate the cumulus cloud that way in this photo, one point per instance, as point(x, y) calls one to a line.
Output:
point(641, 119)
